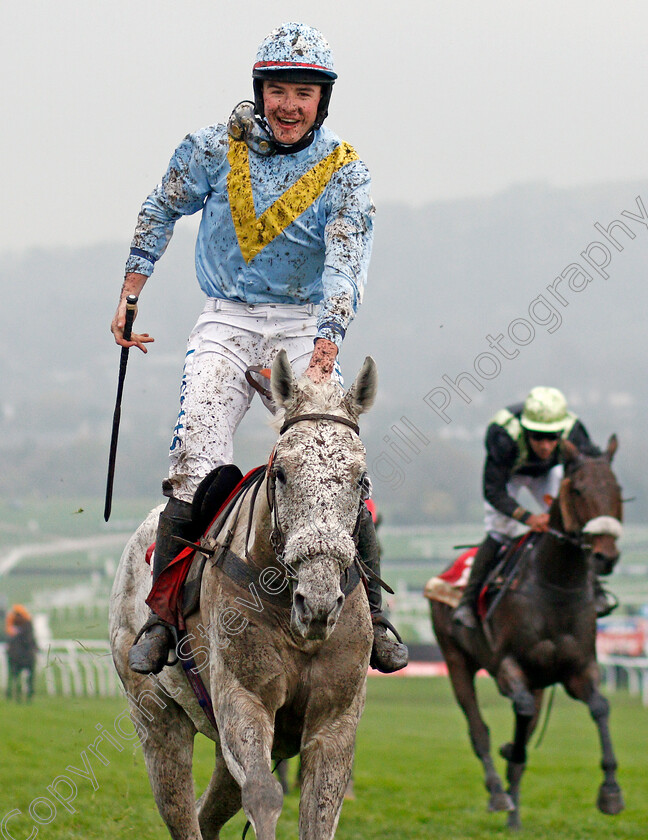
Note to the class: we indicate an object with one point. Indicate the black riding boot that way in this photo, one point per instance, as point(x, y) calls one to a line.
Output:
point(387, 654)
point(150, 651)
point(466, 611)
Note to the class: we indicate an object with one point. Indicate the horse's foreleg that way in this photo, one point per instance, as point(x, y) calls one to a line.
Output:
point(327, 763)
point(246, 730)
point(515, 755)
point(610, 797)
point(463, 685)
point(220, 801)
point(526, 705)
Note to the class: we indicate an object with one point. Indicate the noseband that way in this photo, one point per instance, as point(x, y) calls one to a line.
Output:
point(604, 526)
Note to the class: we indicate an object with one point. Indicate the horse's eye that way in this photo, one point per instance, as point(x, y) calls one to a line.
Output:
point(280, 475)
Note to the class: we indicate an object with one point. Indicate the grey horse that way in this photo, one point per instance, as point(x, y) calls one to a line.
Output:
point(282, 680)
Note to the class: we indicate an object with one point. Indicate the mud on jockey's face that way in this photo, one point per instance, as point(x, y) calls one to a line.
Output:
point(290, 109)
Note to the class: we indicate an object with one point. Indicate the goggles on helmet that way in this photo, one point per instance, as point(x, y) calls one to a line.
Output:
point(540, 436)
point(245, 125)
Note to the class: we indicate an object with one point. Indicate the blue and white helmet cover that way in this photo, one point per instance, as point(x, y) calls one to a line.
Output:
point(295, 46)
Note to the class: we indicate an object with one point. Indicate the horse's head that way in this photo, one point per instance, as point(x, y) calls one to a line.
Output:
point(590, 503)
point(318, 480)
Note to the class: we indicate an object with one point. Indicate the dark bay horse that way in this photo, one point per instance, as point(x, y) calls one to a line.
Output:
point(543, 631)
point(285, 671)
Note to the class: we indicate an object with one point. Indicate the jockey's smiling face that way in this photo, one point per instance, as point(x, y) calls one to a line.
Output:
point(291, 109)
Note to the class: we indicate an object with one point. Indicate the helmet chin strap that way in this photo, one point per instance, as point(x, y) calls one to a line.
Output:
point(246, 125)
point(302, 143)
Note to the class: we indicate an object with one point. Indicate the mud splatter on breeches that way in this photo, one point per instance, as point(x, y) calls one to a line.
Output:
point(214, 395)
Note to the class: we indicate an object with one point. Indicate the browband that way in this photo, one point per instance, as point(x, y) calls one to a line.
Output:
point(333, 417)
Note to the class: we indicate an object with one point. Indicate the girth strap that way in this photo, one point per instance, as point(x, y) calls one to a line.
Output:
point(195, 680)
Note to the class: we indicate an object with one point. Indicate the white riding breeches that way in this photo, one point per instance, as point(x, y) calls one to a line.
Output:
point(499, 525)
point(228, 338)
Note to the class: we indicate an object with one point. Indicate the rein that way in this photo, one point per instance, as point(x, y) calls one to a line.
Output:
point(579, 542)
point(598, 525)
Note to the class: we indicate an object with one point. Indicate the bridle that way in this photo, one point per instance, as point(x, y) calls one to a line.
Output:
point(277, 536)
point(335, 418)
point(597, 526)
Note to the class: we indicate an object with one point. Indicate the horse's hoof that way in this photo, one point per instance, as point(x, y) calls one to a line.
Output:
point(500, 801)
point(610, 800)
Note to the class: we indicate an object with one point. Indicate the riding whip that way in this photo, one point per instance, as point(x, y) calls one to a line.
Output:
point(131, 306)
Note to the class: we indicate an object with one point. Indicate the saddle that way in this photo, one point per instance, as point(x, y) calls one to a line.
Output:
point(448, 587)
point(175, 594)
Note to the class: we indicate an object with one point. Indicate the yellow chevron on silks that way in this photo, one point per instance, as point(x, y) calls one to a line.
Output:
point(255, 232)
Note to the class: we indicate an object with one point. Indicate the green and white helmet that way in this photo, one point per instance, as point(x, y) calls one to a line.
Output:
point(545, 410)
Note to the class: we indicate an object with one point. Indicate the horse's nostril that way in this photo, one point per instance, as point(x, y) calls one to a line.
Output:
point(301, 607)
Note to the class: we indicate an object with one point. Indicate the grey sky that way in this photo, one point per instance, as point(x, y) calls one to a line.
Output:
point(448, 99)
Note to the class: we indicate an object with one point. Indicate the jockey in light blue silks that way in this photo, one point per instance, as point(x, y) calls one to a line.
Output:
point(282, 255)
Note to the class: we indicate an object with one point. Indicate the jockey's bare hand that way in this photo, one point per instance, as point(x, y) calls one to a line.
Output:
point(538, 522)
point(133, 285)
point(322, 361)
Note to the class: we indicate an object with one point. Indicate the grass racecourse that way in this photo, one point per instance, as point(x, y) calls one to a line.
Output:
point(415, 775)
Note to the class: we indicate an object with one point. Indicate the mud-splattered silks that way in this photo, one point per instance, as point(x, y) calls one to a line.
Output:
point(255, 232)
point(311, 212)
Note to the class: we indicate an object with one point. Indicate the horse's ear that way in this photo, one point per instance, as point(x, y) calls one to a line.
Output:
point(361, 395)
point(613, 445)
point(282, 379)
point(569, 520)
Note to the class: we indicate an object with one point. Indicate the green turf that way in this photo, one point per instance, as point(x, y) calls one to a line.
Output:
point(415, 776)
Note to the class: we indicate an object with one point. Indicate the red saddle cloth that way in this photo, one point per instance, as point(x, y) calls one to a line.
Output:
point(459, 572)
point(165, 597)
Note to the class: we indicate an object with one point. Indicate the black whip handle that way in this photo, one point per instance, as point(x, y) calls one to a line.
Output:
point(131, 306)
